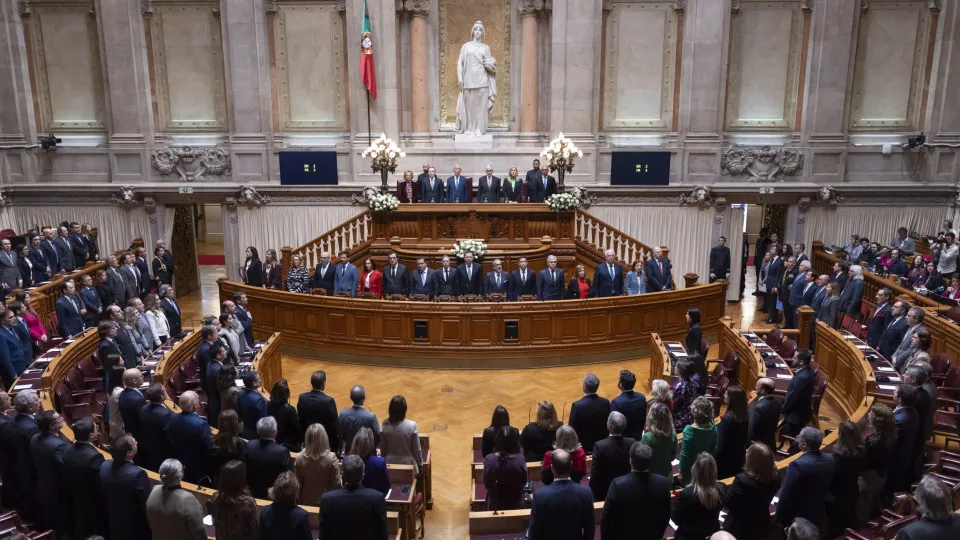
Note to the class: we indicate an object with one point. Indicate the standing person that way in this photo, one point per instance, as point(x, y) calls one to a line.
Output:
point(830, 307)
point(948, 255)
point(488, 188)
point(544, 187)
point(244, 317)
point(251, 406)
point(298, 276)
point(173, 512)
point(161, 272)
point(852, 294)
point(796, 405)
point(523, 281)
point(423, 280)
point(396, 279)
point(640, 488)
point(265, 458)
point(272, 271)
point(496, 282)
point(698, 437)
point(289, 430)
point(323, 275)
point(732, 433)
point(354, 512)
point(409, 189)
point(720, 261)
point(697, 508)
point(937, 518)
point(580, 286)
point(237, 516)
point(458, 188)
point(316, 467)
point(633, 405)
point(608, 276)
point(70, 310)
point(468, 278)
point(159, 326)
point(563, 509)
point(81, 478)
point(47, 449)
point(316, 407)
point(512, 189)
point(900, 472)
point(252, 270)
point(10, 278)
point(432, 188)
point(694, 337)
point(787, 281)
point(284, 519)
point(748, 499)
point(566, 440)
point(635, 281)
point(154, 417)
point(371, 281)
point(659, 272)
point(762, 248)
point(537, 437)
point(807, 482)
point(346, 277)
point(660, 436)
point(505, 472)
point(611, 456)
point(40, 266)
point(399, 440)
point(168, 303)
point(588, 415)
point(375, 467)
point(772, 281)
point(125, 488)
point(190, 437)
point(351, 420)
point(764, 415)
point(848, 459)
point(550, 281)
point(500, 419)
point(25, 266)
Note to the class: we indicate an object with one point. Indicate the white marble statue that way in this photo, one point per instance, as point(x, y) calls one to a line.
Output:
point(477, 75)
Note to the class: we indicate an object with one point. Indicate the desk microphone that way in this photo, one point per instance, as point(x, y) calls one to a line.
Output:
point(563, 412)
point(529, 409)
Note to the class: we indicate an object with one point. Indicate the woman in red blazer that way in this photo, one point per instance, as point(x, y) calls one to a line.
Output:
point(34, 325)
point(371, 280)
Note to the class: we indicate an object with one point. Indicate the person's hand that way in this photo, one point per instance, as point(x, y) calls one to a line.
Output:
point(773, 290)
point(83, 311)
point(99, 310)
point(712, 275)
point(43, 338)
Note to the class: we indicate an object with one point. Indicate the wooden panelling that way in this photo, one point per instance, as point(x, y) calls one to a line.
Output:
point(850, 376)
point(944, 335)
point(823, 263)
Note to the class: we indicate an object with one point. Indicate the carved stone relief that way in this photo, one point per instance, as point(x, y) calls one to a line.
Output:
point(189, 164)
point(248, 196)
point(761, 165)
point(702, 197)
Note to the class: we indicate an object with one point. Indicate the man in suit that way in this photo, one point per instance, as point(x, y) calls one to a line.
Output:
point(78, 244)
point(900, 473)
point(880, 317)
point(125, 488)
point(893, 332)
point(323, 275)
point(611, 456)
point(168, 258)
point(432, 188)
point(468, 279)
point(243, 316)
point(51, 250)
point(14, 347)
point(799, 253)
point(608, 276)
point(488, 189)
point(122, 339)
point(190, 437)
point(820, 294)
point(356, 417)
point(130, 402)
point(107, 332)
point(8, 373)
point(906, 349)
point(91, 301)
point(925, 405)
point(802, 281)
point(154, 417)
point(140, 260)
point(70, 310)
point(903, 242)
point(810, 289)
point(218, 353)
point(805, 487)
point(132, 278)
point(588, 415)
point(511, 189)
point(9, 446)
point(208, 336)
point(27, 404)
point(533, 174)
point(251, 406)
point(115, 281)
point(316, 407)
point(796, 405)
point(20, 328)
point(396, 280)
point(543, 186)
point(523, 281)
point(937, 519)
point(633, 405)
point(353, 512)
point(65, 250)
point(458, 187)
point(774, 276)
point(788, 279)
point(168, 302)
point(720, 261)
point(346, 277)
point(659, 273)
point(47, 448)
point(423, 280)
point(562, 510)
point(764, 415)
point(81, 482)
point(424, 174)
point(10, 279)
point(496, 281)
point(895, 265)
point(550, 282)
point(630, 492)
point(266, 458)
point(445, 278)
point(42, 270)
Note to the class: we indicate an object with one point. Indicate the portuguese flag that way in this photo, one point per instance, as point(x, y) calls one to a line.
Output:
point(367, 72)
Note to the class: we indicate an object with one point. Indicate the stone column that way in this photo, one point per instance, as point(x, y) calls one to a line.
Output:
point(703, 72)
point(832, 41)
point(529, 77)
point(125, 65)
point(575, 67)
point(944, 125)
point(16, 114)
point(231, 239)
point(419, 99)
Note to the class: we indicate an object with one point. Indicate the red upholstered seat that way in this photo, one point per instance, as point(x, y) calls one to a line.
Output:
point(715, 394)
point(819, 389)
point(940, 362)
point(788, 349)
point(774, 337)
point(71, 406)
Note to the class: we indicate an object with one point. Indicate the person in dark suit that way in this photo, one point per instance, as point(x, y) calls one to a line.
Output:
point(190, 437)
point(544, 186)
point(50, 250)
point(425, 173)
point(131, 275)
point(801, 285)
point(252, 270)
point(720, 260)
point(12, 492)
point(659, 273)
point(208, 336)
point(893, 332)
point(637, 489)
point(732, 433)
point(445, 278)
point(423, 280)
point(409, 189)
point(588, 415)
point(27, 404)
point(266, 458)
point(346, 277)
point(251, 405)
point(316, 407)
point(47, 448)
point(748, 499)
point(810, 289)
point(122, 338)
point(562, 510)
point(523, 281)
point(323, 275)
point(819, 295)
point(218, 354)
point(608, 276)
point(852, 295)
point(20, 328)
point(512, 187)
point(788, 279)
point(805, 486)
point(107, 332)
point(431, 188)
point(396, 280)
point(496, 281)
point(881, 317)
point(8, 371)
point(91, 302)
point(696, 509)
point(125, 488)
point(796, 406)
point(632, 405)
point(468, 279)
point(895, 265)
point(81, 482)
point(900, 473)
point(488, 188)
point(764, 415)
point(130, 403)
point(115, 281)
point(168, 302)
point(41, 266)
point(611, 456)
point(284, 518)
point(550, 281)
point(694, 337)
point(534, 173)
point(351, 420)
point(458, 187)
point(24, 266)
point(11, 341)
point(70, 310)
point(353, 512)
point(935, 506)
point(65, 250)
point(154, 419)
point(774, 278)
point(78, 245)
point(143, 267)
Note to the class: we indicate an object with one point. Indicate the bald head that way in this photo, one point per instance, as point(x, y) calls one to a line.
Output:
point(560, 463)
point(358, 395)
point(189, 401)
point(765, 386)
point(132, 378)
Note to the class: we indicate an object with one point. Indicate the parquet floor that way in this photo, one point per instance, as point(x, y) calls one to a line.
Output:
point(454, 405)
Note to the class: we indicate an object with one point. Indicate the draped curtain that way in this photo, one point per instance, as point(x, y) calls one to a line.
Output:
point(116, 226)
point(735, 241)
point(685, 230)
point(275, 226)
point(833, 226)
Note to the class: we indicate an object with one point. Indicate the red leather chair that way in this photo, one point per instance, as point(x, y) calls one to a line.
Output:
point(92, 374)
point(888, 526)
point(819, 389)
point(716, 392)
point(788, 349)
point(729, 364)
point(940, 362)
point(774, 337)
point(71, 406)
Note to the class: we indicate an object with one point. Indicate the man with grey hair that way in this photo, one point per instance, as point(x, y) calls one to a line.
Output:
point(173, 512)
point(115, 281)
point(635, 490)
point(351, 420)
point(588, 415)
point(324, 274)
point(821, 294)
point(608, 276)
point(937, 518)
point(611, 456)
point(488, 190)
point(807, 482)
point(906, 349)
point(880, 318)
point(550, 282)
point(496, 281)
point(27, 403)
point(925, 405)
point(659, 272)
point(423, 280)
point(190, 437)
point(468, 279)
point(893, 333)
point(266, 458)
point(353, 511)
point(564, 509)
point(458, 187)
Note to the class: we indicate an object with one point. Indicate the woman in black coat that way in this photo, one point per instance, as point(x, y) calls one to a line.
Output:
point(696, 509)
point(252, 271)
point(289, 432)
point(748, 499)
point(732, 433)
point(694, 337)
point(848, 460)
point(24, 266)
point(488, 442)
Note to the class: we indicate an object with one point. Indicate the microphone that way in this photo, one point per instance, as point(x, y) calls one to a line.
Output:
point(563, 412)
point(529, 409)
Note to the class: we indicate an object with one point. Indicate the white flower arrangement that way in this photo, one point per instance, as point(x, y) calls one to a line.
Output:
point(462, 247)
point(563, 202)
point(381, 202)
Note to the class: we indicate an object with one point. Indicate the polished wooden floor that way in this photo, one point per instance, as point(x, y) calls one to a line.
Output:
point(453, 405)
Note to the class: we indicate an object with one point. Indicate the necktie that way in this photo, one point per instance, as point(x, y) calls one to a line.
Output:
point(469, 273)
point(444, 274)
point(72, 301)
point(10, 256)
point(343, 270)
point(610, 267)
point(394, 272)
point(498, 279)
point(175, 308)
point(660, 264)
point(323, 271)
point(523, 277)
point(553, 276)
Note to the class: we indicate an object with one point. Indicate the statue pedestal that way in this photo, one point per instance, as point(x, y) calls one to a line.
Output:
point(468, 141)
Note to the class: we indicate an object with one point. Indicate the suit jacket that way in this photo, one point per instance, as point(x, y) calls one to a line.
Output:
point(81, 481)
point(432, 192)
point(26, 342)
point(353, 513)
point(764, 417)
point(796, 406)
point(906, 348)
point(130, 403)
point(172, 311)
point(851, 297)
point(445, 285)
point(774, 274)
point(18, 360)
point(809, 293)
point(657, 280)
point(877, 323)
point(144, 269)
point(419, 286)
point(892, 336)
point(805, 489)
point(79, 246)
point(488, 190)
point(40, 264)
point(748, 507)
point(540, 192)
point(25, 270)
point(117, 284)
point(898, 268)
point(611, 458)
point(47, 450)
point(818, 297)
point(459, 191)
point(490, 283)
point(128, 350)
point(9, 272)
point(213, 392)
point(633, 405)
point(788, 278)
point(125, 489)
point(416, 191)
point(91, 300)
point(588, 417)
point(900, 473)
point(52, 254)
point(316, 407)
point(562, 510)
point(251, 407)
point(154, 439)
point(796, 290)
point(632, 491)
point(266, 459)
point(346, 278)
point(190, 439)
point(828, 312)
point(468, 285)
point(520, 287)
point(351, 420)
point(9, 467)
point(720, 262)
point(512, 193)
point(325, 280)
point(924, 529)
point(65, 252)
point(549, 288)
point(604, 284)
point(288, 522)
point(68, 315)
point(396, 284)
point(131, 283)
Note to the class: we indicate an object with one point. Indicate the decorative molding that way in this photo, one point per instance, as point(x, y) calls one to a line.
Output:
point(702, 197)
point(25, 8)
point(128, 198)
point(248, 196)
point(763, 164)
point(806, 5)
point(417, 8)
point(679, 5)
point(4, 200)
point(934, 6)
point(146, 7)
point(735, 6)
point(531, 7)
point(607, 6)
point(864, 5)
point(341, 6)
point(270, 6)
point(828, 195)
point(213, 161)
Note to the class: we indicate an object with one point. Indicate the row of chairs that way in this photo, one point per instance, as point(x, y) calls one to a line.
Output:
point(11, 523)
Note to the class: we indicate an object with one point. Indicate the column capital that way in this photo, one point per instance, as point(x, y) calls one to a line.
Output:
point(417, 8)
point(531, 7)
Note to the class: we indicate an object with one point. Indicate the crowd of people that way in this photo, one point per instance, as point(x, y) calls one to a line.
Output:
point(534, 187)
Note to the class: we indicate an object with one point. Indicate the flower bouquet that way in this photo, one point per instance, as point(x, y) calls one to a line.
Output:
point(381, 202)
point(462, 247)
point(563, 202)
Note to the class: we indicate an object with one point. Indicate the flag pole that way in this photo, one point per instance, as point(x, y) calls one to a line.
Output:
point(369, 129)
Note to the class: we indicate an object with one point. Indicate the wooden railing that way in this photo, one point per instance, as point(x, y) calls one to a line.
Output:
point(349, 235)
point(600, 236)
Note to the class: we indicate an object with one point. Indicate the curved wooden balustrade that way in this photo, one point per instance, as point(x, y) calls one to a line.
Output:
point(458, 335)
point(851, 376)
point(944, 333)
point(349, 235)
point(594, 233)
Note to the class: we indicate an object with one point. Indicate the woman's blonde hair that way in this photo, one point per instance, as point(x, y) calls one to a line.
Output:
point(131, 316)
point(316, 443)
point(660, 420)
point(660, 391)
point(547, 415)
point(703, 478)
point(567, 439)
point(702, 410)
point(363, 444)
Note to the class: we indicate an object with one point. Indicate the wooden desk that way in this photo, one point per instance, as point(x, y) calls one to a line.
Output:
point(851, 376)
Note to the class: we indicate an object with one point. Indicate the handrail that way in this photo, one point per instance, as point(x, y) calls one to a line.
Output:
point(602, 236)
point(348, 235)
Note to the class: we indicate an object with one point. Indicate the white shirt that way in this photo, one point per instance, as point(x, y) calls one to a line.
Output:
point(158, 325)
